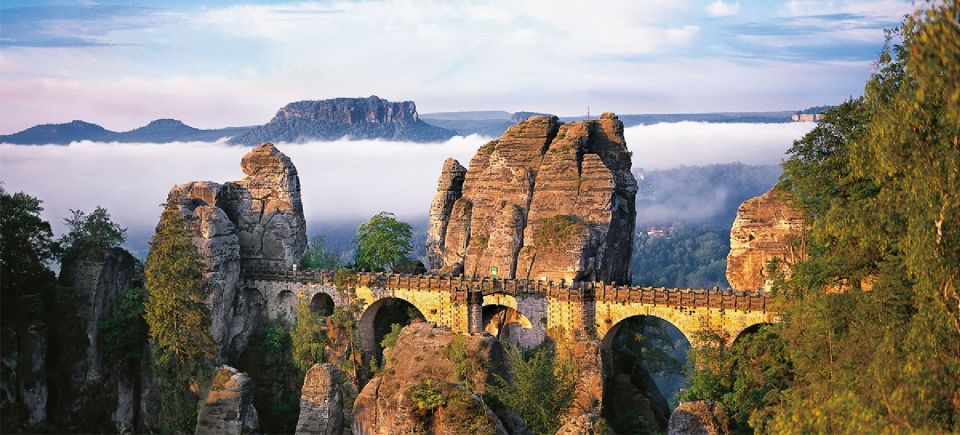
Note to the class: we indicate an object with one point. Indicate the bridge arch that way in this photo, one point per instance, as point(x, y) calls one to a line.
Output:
point(527, 314)
point(509, 326)
point(376, 320)
point(322, 304)
point(285, 306)
point(748, 330)
point(643, 356)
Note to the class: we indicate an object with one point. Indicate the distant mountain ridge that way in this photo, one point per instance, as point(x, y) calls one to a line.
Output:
point(356, 118)
point(157, 131)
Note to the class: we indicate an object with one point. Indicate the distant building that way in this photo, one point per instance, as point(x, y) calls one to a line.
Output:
point(806, 117)
point(659, 231)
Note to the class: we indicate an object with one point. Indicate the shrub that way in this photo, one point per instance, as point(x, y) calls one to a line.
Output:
point(427, 395)
point(540, 390)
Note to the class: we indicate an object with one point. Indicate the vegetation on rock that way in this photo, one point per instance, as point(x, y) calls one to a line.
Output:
point(178, 319)
point(309, 338)
point(124, 332)
point(540, 387)
point(277, 380)
point(557, 231)
point(871, 319)
point(94, 231)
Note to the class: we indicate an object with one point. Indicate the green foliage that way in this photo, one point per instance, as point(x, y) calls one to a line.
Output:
point(687, 257)
point(467, 413)
point(123, 332)
point(317, 256)
point(382, 243)
point(745, 377)
point(95, 231)
point(277, 381)
point(872, 317)
point(427, 395)
point(464, 366)
point(540, 388)
point(390, 339)
point(557, 231)
point(309, 337)
point(26, 245)
point(178, 320)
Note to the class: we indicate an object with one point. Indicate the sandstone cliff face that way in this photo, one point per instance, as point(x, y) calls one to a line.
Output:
point(385, 406)
point(100, 280)
point(698, 418)
point(255, 221)
point(766, 227)
point(228, 405)
point(321, 401)
point(546, 200)
point(359, 118)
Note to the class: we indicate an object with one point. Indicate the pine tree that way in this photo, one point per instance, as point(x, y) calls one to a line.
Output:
point(178, 319)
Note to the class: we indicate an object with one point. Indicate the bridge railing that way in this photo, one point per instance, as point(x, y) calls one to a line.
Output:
point(600, 291)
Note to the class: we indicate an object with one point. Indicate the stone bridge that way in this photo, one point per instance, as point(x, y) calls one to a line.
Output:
point(526, 309)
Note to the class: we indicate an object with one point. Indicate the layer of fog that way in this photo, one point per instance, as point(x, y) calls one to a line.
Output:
point(343, 181)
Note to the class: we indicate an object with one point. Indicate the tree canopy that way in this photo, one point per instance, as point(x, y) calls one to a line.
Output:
point(91, 231)
point(871, 319)
point(382, 243)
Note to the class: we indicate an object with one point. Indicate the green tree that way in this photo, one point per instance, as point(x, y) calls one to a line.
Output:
point(317, 256)
point(124, 331)
point(871, 320)
point(382, 243)
point(178, 319)
point(93, 231)
point(540, 388)
point(309, 337)
point(26, 246)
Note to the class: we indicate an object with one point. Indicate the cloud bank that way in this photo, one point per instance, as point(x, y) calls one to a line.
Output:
point(341, 180)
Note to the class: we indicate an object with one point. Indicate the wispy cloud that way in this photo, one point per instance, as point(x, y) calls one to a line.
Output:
point(720, 9)
point(236, 62)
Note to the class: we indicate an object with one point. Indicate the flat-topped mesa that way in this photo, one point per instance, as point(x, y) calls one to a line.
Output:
point(766, 227)
point(546, 200)
point(356, 118)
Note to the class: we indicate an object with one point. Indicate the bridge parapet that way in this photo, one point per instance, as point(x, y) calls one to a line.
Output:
point(576, 291)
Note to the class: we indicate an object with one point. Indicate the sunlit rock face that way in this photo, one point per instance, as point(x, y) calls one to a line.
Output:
point(227, 407)
point(546, 200)
point(255, 221)
point(766, 227)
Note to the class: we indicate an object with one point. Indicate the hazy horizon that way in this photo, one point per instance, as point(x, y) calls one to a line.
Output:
point(341, 180)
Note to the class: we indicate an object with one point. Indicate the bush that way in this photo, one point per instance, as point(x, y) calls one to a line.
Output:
point(557, 231)
point(540, 390)
point(309, 338)
point(427, 395)
point(123, 332)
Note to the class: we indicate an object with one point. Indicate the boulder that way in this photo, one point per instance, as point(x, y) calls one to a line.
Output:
point(419, 361)
point(698, 418)
point(321, 401)
point(546, 200)
point(585, 424)
point(766, 227)
point(228, 405)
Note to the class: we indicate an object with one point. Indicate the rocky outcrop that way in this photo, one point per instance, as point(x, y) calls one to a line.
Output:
point(546, 200)
point(255, 221)
point(100, 278)
point(23, 372)
point(698, 418)
point(357, 118)
point(449, 189)
point(228, 406)
point(585, 424)
point(419, 361)
point(321, 401)
point(766, 227)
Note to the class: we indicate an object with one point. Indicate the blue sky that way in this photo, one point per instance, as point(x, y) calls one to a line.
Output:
point(219, 63)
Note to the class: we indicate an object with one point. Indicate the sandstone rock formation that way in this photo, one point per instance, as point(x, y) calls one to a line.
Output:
point(698, 418)
point(584, 424)
point(228, 406)
point(100, 279)
point(23, 374)
point(255, 221)
point(358, 118)
point(546, 200)
point(385, 406)
point(321, 402)
point(766, 227)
